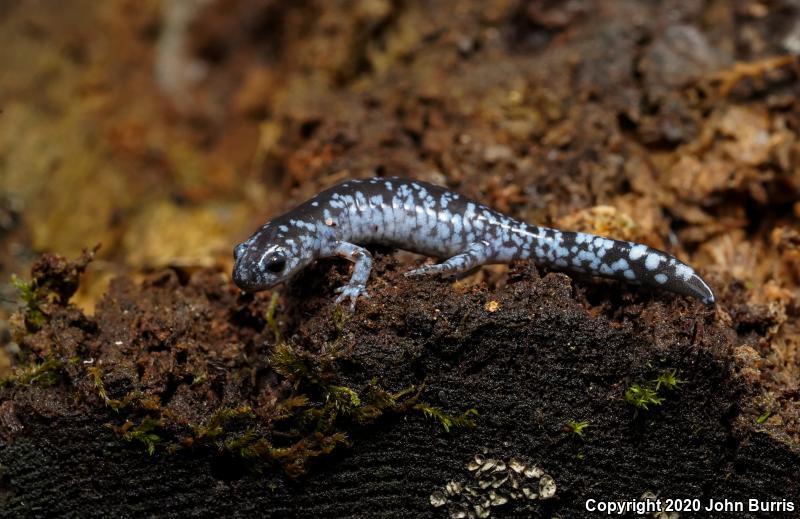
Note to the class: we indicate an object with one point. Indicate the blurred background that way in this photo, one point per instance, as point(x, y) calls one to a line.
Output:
point(168, 130)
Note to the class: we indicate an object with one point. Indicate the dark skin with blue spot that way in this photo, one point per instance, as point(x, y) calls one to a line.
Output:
point(431, 220)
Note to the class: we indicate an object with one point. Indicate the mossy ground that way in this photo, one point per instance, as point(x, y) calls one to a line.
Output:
point(337, 407)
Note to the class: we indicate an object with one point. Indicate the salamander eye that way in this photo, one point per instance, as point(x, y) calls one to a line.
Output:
point(276, 264)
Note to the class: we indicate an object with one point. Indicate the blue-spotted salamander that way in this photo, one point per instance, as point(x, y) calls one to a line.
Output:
point(435, 221)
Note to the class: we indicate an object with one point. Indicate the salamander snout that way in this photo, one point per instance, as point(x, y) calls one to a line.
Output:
point(238, 251)
point(248, 270)
point(245, 273)
point(263, 261)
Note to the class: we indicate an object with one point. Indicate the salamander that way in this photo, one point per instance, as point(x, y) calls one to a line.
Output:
point(434, 221)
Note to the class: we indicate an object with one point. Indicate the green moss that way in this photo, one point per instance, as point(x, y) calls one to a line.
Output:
point(294, 458)
point(45, 374)
point(143, 433)
point(447, 421)
point(271, 321)
point(310, 421)
point(245, 443)
point(339, 318)
point(291, 405)
point(345, 399)
point(668, 379)
point(97, 378)
point(641, 396)
point(220, 419)
point(377, 400)
point(32, 299)
point(296, 367)
point(576, 428)
point(319, 411)
point(134, 397)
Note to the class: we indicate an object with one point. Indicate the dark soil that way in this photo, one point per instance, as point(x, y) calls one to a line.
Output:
point(544, 356)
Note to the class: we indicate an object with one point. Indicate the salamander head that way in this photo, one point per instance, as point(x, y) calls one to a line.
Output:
point(267, 258)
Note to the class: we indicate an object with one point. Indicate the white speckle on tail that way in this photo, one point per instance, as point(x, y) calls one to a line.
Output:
point(684, 272)
point(652, 261)
point(620, 264)
point(637, 251)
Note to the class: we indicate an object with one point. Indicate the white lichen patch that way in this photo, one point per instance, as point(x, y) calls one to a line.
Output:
point(547, 487)
point(494, 483)
point(516, 465)
point(438, 499)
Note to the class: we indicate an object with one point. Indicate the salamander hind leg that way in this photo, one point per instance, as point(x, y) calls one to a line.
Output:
point(357, 286)
point(476, 254)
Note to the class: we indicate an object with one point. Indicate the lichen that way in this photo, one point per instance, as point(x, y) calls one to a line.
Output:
point(495, 485)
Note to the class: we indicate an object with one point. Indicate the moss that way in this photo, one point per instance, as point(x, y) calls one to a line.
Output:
point(270, 317)
point(45, 374)
point(641, 397)
point(448, 421)
point(116, 404)
point(339, 318)
point(220, 419)
point(344, 399)
point(668, 379)
point(293, 366)
point(317, 414)
point(33, 299)
point(54, 279)
point(576, 428)
point(311, 421)
point(247, 443)
point(294, 459)
point(302, 427)
point(97, 378)
point(377, 400)
point(143, 433)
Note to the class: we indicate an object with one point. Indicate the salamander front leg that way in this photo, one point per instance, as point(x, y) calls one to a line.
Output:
point(476, 254)
point(357, 286)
